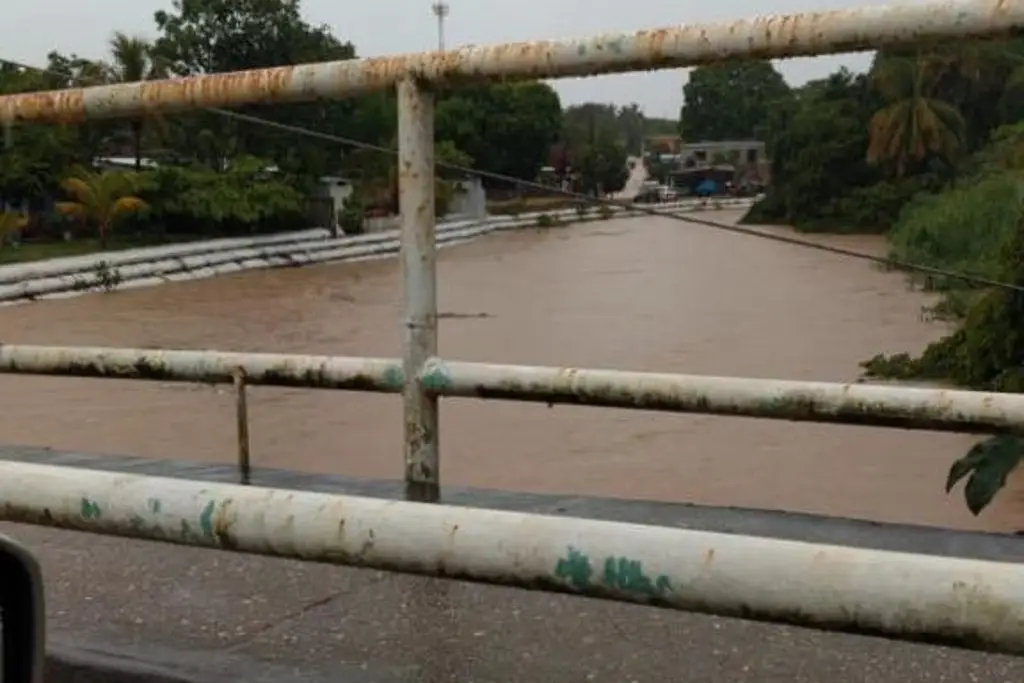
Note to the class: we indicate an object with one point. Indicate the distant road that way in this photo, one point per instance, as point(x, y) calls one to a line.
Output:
point(637, 176)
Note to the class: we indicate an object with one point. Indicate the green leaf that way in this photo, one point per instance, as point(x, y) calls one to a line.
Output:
point(989, 464)
point(962, 467)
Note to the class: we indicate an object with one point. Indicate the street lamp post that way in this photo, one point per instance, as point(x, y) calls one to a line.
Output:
point(441, 11)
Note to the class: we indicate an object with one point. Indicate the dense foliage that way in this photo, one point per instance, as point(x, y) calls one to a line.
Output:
point(731, 100)
point(204, 173)
point(850, 151)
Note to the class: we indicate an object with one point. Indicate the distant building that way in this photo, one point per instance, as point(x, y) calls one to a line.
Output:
point(746, 160)
point(663, 144)
point(735, 152)
point(122, 163)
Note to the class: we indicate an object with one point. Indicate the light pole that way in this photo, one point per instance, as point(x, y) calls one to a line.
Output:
point(441, 11)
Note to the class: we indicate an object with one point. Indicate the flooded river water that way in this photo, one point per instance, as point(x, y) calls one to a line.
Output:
point(642, 294)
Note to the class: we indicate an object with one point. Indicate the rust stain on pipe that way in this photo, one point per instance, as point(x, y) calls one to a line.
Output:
point(774, 36)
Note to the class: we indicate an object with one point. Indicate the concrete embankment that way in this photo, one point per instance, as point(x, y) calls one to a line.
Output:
point(146, 267)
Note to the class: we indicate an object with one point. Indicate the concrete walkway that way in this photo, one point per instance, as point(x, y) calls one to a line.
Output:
point(182, 614)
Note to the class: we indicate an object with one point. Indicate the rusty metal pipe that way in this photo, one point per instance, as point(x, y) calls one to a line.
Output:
point(419, 275)
point(972, 603)
point(242, 427)
point(773, 36)
point(830, 402)
point(266, 369)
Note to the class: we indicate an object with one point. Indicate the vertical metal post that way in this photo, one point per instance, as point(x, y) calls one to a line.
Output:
point(416, 203)
point(242, 420)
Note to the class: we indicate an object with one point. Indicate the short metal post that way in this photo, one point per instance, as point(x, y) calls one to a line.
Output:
point(416, 204)
point(242, 418)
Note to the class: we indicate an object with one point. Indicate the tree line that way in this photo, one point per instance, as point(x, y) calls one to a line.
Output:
point(928, 148)
point(203, 173)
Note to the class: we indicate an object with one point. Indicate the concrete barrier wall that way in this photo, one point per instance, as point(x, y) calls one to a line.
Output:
point(152, 266)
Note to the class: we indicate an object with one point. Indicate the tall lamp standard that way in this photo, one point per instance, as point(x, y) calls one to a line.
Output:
point(441, 11)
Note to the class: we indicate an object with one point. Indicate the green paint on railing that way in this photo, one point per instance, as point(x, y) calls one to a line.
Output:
point(206, 520)
point(621, 574)
point(437, 379)
point(394, 377)
point(628, 575)
point(154, 505)
point(90, 509)
point(575, 569)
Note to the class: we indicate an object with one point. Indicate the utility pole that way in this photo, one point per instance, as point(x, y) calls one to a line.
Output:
point(441, 11)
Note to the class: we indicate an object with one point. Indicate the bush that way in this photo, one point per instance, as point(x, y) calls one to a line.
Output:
point(962, 229)
point(547, 221)
point(352, 215)
point(987, 351)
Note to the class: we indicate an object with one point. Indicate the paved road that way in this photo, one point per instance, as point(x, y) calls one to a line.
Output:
point(216, 616)
point(637, 176)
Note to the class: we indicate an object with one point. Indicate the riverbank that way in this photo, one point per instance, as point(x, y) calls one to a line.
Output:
point(150, 266)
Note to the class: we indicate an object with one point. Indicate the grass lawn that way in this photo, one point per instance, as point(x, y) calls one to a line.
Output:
point(529, 204)
point(41, 251)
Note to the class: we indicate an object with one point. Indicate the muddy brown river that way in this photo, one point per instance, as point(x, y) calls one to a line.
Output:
point(642, 294)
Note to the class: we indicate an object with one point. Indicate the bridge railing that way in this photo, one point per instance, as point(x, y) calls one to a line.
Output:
point(972, 603)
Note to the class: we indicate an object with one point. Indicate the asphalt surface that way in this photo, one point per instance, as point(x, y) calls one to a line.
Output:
point(191, 614)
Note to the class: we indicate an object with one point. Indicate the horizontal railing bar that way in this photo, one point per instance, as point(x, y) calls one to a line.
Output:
point(931, 409)
point(210, 367)
point(977, 604)
point(829, 402)
point(775, 36)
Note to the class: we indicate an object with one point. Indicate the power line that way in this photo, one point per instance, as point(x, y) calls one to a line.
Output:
point(894, 264)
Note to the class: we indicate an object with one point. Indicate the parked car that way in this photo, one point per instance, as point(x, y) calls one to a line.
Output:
point(667, 194)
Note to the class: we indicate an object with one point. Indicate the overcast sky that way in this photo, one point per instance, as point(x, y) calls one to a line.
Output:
point(30, 29)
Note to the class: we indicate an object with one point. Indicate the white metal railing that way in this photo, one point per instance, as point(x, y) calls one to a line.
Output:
point(971, 603)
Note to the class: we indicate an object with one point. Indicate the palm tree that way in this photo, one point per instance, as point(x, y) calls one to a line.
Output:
point(135, 60)
point(101, 199)
point(914, 123)
point(11, 223)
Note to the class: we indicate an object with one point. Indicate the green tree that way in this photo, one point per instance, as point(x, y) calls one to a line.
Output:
point(631, 127)
point(914, 125)
point(11, 224)
point(730, 100)
point(38, 156)
point(241, 199)
point(658, 126)
point(92, 138)
point(213, 36)
point(101, 199)
point(507, 128)
point(584, 124)
point(818, 152)
point(601, 166)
